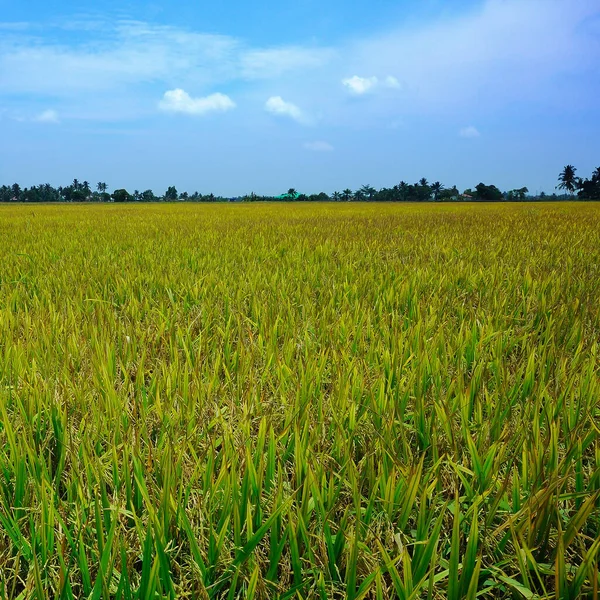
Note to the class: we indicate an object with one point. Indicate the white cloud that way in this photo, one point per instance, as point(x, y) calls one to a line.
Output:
point(48, 116)
point(469, 132)
point(278, 106)
point(318, 146)
point(360, 85)
point(179, 101)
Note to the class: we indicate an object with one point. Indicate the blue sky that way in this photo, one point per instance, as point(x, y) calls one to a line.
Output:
point(319, 95)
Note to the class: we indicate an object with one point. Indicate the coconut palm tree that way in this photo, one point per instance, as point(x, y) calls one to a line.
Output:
point(424, 189)
point(567, 179)
point(336, 196)
point(436, 188)
point(291, 194)
point(368, 191)
point(403, 190)
point(347, 194)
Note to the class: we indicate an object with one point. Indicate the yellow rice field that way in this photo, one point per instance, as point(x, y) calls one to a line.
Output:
point(300, 401)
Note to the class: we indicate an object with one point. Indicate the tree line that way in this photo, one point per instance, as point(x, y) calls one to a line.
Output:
point(82, 192)
point(587, 189)
point(421, 191)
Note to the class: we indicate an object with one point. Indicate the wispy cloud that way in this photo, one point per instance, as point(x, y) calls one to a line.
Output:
point(127, 54)
point(449, 64)
point(469, 132)
point(391, 82)
point(48, 116)
point(276, 105)
point(275, 62)
point(318, 146)
point(527, 45)
point(179, 101)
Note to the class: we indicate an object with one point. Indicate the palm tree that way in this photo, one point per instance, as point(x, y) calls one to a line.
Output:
point(101, 187)
point(403, 189)
point(16, 191)
point(359, 196)
point(336, 196)
point(567, 179)
point(436, 188)
point(347, 194)
point(424, 193)
point(291, 194)
point(368, 191)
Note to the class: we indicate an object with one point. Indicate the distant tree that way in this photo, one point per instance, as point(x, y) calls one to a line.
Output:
point(184, 196)
point(85, 186)
point(368, 192)
point(422, 190)
point(403, 189)
point(101, 187)
point(336, 196)
point(75, 192)
point(66, 193)
point(292, 194)
point(121, 196)
point(589, 189)
point(359, 196)
point(567, 179)
point(171, 194)
point(436, 188)
point(347, 194)
point(517, 195)
point(449, 194)
point(16, 192)
point(148, 196)
point(488, 193)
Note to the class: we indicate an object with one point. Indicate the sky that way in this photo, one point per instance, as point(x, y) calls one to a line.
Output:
point(319, 95)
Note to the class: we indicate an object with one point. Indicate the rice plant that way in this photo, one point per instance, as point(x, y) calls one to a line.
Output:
point(300, 401)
